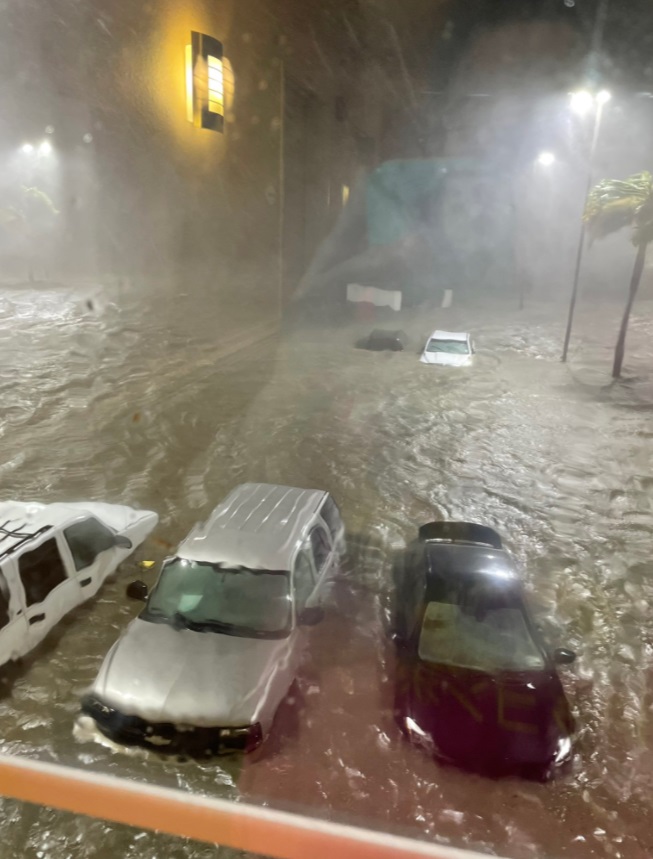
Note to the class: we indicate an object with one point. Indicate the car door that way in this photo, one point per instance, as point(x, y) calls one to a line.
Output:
point(303, 586)
point(49, 589)
point(304, 578)
point(333, 521)
point(324, 557)
point(93, 554)
point(408, 592)
point(14, 639)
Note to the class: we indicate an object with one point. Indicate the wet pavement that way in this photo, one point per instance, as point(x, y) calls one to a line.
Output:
point(132, 402)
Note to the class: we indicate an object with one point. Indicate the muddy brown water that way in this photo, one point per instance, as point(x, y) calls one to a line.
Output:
point(133, 402)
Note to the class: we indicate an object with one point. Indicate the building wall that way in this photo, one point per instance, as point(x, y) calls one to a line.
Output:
point(145, 196)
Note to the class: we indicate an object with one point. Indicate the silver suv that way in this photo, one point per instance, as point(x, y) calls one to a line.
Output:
point(205, 666)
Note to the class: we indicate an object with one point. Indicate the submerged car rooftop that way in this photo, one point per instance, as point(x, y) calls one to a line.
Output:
point(257, 526)
point(449, 335)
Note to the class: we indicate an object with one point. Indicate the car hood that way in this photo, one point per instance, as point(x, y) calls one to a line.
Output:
point(181, 676)
point(446, 359)
point(485, 722)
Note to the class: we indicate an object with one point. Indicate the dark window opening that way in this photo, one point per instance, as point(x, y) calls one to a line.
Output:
point(4, 600)
point(87, 540)
point(41, 571)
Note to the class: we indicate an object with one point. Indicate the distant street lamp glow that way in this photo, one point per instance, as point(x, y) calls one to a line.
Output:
point(27, 148)
point(603, 97)
point(581, 102)
point(45, 148)
point(546, 159)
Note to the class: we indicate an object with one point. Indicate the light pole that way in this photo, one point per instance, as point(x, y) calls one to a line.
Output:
point(580, 103)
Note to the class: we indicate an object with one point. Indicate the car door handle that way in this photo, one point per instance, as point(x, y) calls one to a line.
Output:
point(85, 582)
point(37, 618)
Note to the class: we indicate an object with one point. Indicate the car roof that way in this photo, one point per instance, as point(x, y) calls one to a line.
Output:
point(22, 521)
point(449, 335)
point(455, 559)
point(258, 526)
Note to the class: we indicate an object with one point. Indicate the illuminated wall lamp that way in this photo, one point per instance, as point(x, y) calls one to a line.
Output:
point(205, 82)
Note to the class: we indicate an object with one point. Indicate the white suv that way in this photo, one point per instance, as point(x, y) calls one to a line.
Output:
point(54, 557)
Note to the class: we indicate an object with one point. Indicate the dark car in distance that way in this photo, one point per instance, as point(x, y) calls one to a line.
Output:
point(381, 340)
point(475, 684)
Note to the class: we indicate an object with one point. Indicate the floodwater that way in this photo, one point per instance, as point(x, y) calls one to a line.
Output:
point(130, 401)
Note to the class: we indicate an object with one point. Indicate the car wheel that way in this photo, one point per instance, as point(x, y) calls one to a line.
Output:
point(536, 772)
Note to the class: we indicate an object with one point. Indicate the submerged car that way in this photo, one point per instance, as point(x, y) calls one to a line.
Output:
point(448, 348)
point(203, 669)
point(54, 557)
point(381, 340)
point(475, 683)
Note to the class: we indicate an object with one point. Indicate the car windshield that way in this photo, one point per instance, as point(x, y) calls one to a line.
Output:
point(211, 598)
point(473, 625)
point(452, 347)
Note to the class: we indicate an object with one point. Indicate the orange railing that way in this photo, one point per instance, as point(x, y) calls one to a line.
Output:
point(243, 826)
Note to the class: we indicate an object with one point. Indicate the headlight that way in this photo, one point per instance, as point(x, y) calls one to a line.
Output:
point(245, 738)
point(564, 748)
point(413, 728)
point(94, 707)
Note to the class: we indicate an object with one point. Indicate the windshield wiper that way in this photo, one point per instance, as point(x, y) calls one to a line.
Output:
point(213, 626)
point(153, 612)
point(179, 620)
point(182, 621)
point(220, 626)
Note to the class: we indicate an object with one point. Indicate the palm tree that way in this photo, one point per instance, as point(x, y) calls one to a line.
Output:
point(614, 204)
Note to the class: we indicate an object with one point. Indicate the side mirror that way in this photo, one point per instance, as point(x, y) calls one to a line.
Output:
point(122, 542)
point(137, 590)
point(311, 616)
point(563, 656)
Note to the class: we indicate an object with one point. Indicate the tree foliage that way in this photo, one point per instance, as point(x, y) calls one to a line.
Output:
point(614, 204)
point(26, 209)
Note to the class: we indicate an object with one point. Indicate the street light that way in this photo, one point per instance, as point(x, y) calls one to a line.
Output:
point(581, 102)
point(44, 148)
point(546, 159)
point(577, 100)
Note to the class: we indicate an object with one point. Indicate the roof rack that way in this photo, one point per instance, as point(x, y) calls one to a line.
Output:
point(20, 536)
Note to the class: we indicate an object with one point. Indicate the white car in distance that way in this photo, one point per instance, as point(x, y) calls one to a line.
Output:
point(449, 349)
point(54, 557)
